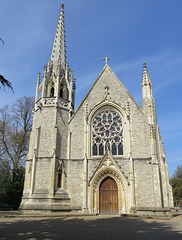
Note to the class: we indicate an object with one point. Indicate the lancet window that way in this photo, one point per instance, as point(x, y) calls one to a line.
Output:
point(61, 90)
point(107, 132)
point(59, 181)
point(52, 90)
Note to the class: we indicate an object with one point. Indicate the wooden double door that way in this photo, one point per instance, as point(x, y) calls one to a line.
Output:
point(108, 197)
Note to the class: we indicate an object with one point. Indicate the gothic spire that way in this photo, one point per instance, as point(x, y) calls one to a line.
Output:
point(58, 51)
point(146, 83)
point(146, 78)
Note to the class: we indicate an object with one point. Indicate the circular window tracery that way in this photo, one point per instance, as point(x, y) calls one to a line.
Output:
point(107, 132)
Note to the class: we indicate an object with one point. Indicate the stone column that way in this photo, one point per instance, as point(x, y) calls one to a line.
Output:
point(33, 173)
point(37, 88)
point(34, 161)
point(85, 171)
point(131, 179)
point(155, 167)
point(53, 174)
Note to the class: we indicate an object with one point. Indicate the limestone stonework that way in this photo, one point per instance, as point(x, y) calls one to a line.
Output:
point(105, 157)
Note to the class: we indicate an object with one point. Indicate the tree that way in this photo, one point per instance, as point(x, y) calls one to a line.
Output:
point(176, 183)
point(4, 82)
point(4, 183)
point(2, 40)
point(15, 127)
point(178, 172)
point(11, 192)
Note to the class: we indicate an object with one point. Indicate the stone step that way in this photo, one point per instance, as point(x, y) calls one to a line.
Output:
point(61, 195)
point(60, 207)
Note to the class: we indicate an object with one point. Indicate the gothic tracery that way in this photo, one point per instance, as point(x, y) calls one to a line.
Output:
point(107, 132)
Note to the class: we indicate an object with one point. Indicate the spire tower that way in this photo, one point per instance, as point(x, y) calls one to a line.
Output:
point(58, 51)
point(146, 83)
point(57, 76)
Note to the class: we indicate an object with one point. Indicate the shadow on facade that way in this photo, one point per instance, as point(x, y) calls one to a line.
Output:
point(87, 228)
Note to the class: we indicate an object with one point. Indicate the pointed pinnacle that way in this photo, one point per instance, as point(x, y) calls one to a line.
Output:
point(38, 78)
point(58, 50)
point(74, 84)
point(145, 78)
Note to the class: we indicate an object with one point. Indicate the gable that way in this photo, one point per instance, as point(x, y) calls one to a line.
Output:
point(106, 162)
point(116, 90)
point(109, 166)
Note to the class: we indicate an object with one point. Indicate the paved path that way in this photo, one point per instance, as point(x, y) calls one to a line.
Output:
point(90, 227)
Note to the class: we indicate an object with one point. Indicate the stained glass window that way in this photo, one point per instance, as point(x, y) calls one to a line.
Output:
point(107, 132)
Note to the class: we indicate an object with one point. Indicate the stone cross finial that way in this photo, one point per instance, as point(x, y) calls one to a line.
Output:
point(144, 65)
point(106, 59)
point(108, 162)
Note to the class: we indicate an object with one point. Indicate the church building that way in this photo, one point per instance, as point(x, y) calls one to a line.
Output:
point(105, 157)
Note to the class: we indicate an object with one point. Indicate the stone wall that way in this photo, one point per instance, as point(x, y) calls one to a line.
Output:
point(72, 141)
point(144, 189)
point(43, 175)
point(119, 95)
point(75, 182)
point(46, 140)
point(62, 134)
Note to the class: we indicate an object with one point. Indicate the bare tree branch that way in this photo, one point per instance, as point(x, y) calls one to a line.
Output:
point(15, 127)
point(5, 83)
point(2, 40)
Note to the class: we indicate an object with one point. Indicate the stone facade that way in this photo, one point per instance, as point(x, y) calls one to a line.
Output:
point(109, 136)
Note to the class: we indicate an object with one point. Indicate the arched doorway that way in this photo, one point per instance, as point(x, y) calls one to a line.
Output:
point(108, 197)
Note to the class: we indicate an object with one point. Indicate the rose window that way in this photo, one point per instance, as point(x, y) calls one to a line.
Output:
point(107, 132)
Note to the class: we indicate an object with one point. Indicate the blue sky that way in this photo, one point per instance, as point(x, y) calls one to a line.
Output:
point(128, 31)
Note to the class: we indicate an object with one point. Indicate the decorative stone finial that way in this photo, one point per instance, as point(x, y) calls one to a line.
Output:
point(107, 92)
point(45, 70)
point(146, 82)
point(106, 59)
point(86, 111)
point(74, 84)
point(128, 109)
point(107, 146)
point(38, 78)
point(163, 149)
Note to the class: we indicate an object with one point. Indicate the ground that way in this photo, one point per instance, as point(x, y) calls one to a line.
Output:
point(90, 227)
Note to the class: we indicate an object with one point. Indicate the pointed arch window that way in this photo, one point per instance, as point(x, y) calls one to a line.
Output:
point(107, 131)
point(64, 92)
point(52, 90)
point(59, 178)
point(61, 90)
